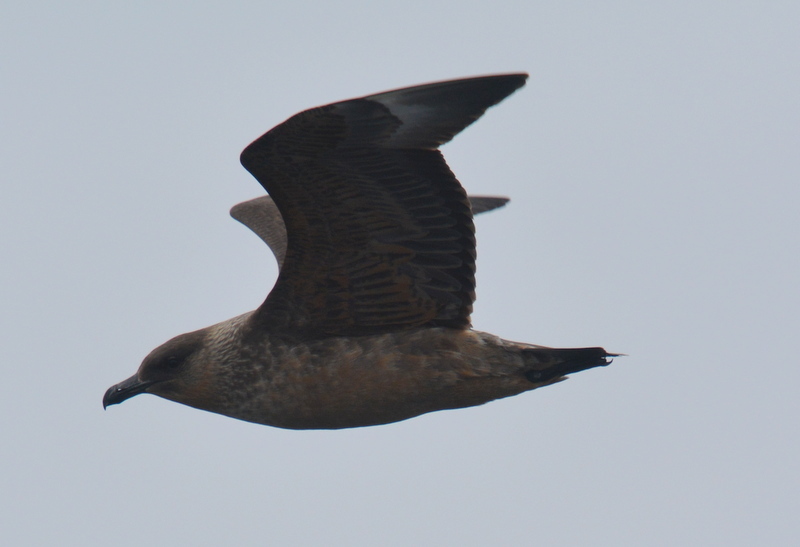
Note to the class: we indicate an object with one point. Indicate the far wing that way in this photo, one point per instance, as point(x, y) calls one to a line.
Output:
point(261, 215)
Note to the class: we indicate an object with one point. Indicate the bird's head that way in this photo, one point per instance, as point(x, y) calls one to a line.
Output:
point(175, 371)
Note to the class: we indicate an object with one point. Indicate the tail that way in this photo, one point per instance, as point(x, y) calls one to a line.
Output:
point(547, 365)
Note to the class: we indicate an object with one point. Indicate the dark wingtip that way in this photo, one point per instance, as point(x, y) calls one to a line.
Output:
point(483, 204)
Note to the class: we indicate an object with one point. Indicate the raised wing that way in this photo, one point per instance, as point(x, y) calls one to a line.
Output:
point(261, 215)
point(380, 233)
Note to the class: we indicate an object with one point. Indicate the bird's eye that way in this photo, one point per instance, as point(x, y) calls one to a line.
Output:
point(173, 362)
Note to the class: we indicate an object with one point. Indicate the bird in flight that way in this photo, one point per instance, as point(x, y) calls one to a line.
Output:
point(369, 320)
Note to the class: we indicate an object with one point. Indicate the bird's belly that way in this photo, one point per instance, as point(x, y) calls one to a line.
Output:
point(376, 380)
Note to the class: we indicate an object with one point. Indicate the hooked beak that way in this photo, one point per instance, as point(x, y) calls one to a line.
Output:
point(124, 390)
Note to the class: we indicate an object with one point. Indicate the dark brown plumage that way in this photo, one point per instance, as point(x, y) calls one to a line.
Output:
point(369, 321)
point(262, 216)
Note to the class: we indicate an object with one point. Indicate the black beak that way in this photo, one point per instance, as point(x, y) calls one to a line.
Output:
point(124, 390)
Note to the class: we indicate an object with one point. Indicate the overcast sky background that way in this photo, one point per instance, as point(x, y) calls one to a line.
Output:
point(653, 162)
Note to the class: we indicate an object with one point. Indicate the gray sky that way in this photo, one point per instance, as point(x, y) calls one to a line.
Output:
point(653, 166)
